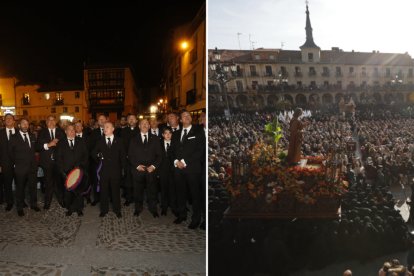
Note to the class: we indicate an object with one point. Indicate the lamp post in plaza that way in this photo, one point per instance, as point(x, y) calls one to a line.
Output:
point(222, 73)
point(281, 80)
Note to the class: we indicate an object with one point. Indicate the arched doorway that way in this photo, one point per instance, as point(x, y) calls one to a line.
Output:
point(338, 97)
point(301, 99)
point(327, 99)
point(272, 100)
point(289, 98)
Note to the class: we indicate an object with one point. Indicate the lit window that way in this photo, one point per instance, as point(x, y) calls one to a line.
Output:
point(77, 95)
point(77, 109)
point(47, 96)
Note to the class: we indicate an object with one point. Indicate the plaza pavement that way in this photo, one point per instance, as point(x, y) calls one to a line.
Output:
point(50, 243)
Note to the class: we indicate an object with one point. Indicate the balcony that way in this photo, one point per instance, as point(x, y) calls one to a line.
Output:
point(312, 74)
point(105, 99)
point(326, 74)
point(58, 102)
point(254, 74)
point(351, 75)
point(338, 74)
point(25, 101)
point(298, 74)
point(364, 75)
point(269, 75)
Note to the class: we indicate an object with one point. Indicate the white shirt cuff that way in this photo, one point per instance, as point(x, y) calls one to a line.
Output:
point(175, 163)
point(45, 146)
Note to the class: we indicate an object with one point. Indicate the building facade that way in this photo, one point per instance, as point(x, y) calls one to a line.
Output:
point(310, 76)
point(185, 81)
point(110, 90)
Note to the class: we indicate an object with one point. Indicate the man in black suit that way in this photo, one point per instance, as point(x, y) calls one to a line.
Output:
point(6, 164)
point(96, 135)
point(22, 152)
point(172, 121)
point(203, 183)
point(144, 155)
point(47, 141)
point(111, 152)
point(188, 146)
point(127, 134)
point(72, 153)
point(155, 130)
point(80, 131)
point(166, 175)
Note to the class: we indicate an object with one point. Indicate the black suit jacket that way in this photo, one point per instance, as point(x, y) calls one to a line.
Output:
point(191, 149)
point(127, 134)
point(6, 162)
point(167, 163)
point(44, 138)
point(67, 158)
point(23, 156)
point(114, 158)
point(147, 155)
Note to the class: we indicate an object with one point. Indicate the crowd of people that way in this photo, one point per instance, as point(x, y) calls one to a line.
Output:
point(368, 227)
point(160, 162)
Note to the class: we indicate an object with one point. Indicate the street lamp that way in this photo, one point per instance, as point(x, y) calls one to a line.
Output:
point(281, 80)
point(222, 74)
point(396, 80)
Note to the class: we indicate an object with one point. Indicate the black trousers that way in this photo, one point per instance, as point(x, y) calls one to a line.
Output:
point(7, 180)
point(190, 181)
point(23, 180)
point(144, 180)
point(110, 187)
point(168, 191)
point(52, 184)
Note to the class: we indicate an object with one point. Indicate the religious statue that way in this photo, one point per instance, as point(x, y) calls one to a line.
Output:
point(296, 137)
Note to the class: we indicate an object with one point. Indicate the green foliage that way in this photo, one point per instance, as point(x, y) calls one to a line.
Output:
point(275, 130)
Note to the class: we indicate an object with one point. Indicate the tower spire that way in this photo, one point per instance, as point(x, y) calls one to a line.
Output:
point(309, 43)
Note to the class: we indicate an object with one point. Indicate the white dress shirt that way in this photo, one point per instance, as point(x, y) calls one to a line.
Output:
point(8, 132)
point(143, 137)
point(27, 135)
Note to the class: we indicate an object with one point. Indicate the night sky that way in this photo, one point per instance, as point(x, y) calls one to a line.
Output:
point(44, 43)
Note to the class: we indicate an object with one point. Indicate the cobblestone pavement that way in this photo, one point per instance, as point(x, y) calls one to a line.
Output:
point(49, 243)
point(53, 228)
point(144, 233)
point(12, 268)
point(138, 272)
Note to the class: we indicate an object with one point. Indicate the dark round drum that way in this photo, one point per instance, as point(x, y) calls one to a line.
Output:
point(73, 179)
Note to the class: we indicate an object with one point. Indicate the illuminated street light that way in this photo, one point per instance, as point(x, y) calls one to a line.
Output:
point(153, 109)
point(184, 45)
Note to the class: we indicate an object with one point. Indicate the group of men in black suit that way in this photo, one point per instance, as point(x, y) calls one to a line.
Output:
point(143, 162)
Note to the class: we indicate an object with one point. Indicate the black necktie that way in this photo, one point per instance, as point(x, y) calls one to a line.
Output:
point(10, 133)
point(51, 134)
point(71, 144)
point(109, 142)
point(184, 136)
point(168, 147)
point(145, 139)
point(102, 132)
point(26, 140)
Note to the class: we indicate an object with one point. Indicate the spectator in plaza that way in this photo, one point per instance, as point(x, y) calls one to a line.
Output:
point(80, 131)
point(6, 164)
point(110, 152)
point(155, 130)
point(72, 153)
point(145, 156)
point(47, 141)
point(173, 122)
point(188, 146)
point(22, 152)
point(123, 123)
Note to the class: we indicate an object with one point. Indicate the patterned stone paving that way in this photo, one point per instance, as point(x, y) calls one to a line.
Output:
point(139, 272)
point(53, 228)
point(12, 268)
point(148, 234)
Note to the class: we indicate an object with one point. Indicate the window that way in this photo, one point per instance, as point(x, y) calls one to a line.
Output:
point(364, 72)
point(47, 96)
point(376, 72)
point(339, 84)
point(77, 109)
point(310, 56)
point(338, 71)
point(239, 86)
point(53, 110)
point(388, 72)
point(271, 57)
point(410, 72)
point(325, 72)
point(255, 84)
point(312, 71)
point(351, 70)
point(326, 84)
point(312, 84)
point(268, 70)
point(26, 99)
point(299, 84)
point(77, 95)
point(25, 112)
point(65, 109)
point(58, 96)
point(253, 70)
point(257, 56)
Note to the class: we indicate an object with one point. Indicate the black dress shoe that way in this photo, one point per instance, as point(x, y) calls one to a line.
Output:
point(136, 213)
point(163, 212)
point(101, 215)
point(80, 214)
point(193, 225)
point(203, 225)
point(179, 220)
point(155, 214)
point(118, 215)
point(94, 202)
point(20, 213)
point(8, 207)
point(68, 213)
point(35, 208)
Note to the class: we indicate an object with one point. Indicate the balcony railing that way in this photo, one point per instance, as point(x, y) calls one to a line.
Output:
point(325, 74)
point(298, 74)
point(312, 74)
point(25, 101)
point(58, 102)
